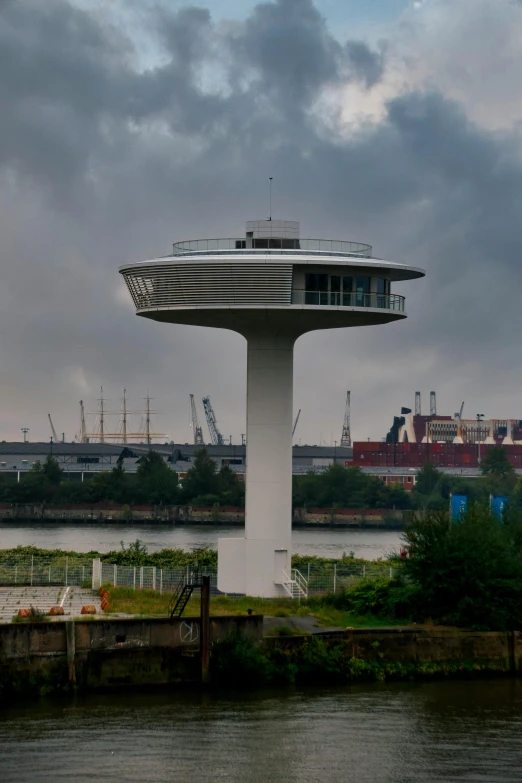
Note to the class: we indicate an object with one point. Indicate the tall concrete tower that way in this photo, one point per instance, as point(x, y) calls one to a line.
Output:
point(271, 286)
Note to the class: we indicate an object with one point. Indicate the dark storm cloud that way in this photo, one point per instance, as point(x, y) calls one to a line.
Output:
point(105, 158)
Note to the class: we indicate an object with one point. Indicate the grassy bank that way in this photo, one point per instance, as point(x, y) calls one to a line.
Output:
point(149, 603)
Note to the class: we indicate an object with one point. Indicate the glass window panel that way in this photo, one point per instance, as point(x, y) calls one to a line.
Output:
point(335, 283)
point(314, 282)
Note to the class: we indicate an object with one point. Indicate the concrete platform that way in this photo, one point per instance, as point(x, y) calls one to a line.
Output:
point(70, 598)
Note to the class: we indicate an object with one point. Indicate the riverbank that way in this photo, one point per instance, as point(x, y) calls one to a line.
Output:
point(227, 516)
point(88, 655)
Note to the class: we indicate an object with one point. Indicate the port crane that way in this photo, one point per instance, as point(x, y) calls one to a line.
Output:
point(295, 422)
point(197, 432)
point(216, 438)
point(346, 436)
point(55, 436)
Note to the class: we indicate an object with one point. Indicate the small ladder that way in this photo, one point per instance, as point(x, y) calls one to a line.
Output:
point(182, 593)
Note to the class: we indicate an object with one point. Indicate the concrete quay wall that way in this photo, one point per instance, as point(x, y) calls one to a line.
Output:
point(113, 652)
point(198, 515)
point(495, 650)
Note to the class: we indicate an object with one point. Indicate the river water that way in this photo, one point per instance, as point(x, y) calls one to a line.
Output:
point(369, 544)
point(399, 733)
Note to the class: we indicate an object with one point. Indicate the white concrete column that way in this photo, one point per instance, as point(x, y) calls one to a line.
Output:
point(269, 439)
point(255, 565)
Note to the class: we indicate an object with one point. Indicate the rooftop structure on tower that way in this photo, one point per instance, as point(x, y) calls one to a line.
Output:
point(271, 286)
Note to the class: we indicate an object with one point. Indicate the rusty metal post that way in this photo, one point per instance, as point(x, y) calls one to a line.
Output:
point(71, 650)
point(205, 629)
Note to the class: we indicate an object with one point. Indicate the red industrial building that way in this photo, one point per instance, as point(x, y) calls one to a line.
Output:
point(415, 455)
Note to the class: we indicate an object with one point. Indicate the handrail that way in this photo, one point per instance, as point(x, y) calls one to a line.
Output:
point(267, 244)
point(348, 299)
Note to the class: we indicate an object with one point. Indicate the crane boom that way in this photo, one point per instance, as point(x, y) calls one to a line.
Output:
point(55, 436)
point(197, 431)
point(216, 438)
point(346, 436)
point(295, 422)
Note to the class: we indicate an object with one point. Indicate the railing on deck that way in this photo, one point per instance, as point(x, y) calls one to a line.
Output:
point(348, 299)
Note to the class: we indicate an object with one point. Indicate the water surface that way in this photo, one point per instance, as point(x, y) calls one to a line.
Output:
point(80, 537)
point(400, 733)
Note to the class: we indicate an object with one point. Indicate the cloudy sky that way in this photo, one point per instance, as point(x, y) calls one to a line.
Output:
point(128, 124)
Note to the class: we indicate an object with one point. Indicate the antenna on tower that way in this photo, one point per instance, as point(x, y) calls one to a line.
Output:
point(270, 196)
point(433, 404)
point(417, 404)
point(346, 437)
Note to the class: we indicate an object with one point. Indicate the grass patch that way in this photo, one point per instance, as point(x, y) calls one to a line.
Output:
point(340, 618)
point(123, 600)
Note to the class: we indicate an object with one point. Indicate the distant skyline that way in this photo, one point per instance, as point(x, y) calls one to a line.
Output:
point(129, 124)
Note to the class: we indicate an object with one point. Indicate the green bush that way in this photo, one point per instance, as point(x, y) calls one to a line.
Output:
point(467, 573)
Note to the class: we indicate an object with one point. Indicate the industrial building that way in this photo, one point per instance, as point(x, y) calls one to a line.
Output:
point(447, 441)
point(80, 461)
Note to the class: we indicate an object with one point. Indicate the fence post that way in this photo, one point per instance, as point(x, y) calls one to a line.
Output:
point(335, 577)
point(16, 573)
point(115, 576)
point(83, 575)
point(161, 580)
point(96, 573)
point(134, 582)
point(66, 569)
point(153, 577)
point(308, 579)
point(391, 573)
point(32, 563)
point(49, 574)
point(364, 571)
point(141, 578)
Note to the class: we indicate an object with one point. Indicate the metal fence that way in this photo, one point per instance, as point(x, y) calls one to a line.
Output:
point(324, 578)
point(329, 578)
point(45, 571)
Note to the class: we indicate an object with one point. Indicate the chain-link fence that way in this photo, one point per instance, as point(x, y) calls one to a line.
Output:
point(47, 571)
point(324, 578)
point(328, 578)
point(163, 580)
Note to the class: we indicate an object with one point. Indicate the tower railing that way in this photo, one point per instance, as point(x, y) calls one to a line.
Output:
point(267, 244)
point(348, 299)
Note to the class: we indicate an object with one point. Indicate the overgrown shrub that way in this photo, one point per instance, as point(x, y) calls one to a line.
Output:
point(467, 573)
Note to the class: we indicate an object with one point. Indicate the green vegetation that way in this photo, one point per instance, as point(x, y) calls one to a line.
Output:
point(340, 487)
point(154, 483)
point(237, 662)
point(337, 487)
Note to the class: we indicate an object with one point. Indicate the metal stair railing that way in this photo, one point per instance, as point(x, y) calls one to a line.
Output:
point(182, 593)
point(295, 585)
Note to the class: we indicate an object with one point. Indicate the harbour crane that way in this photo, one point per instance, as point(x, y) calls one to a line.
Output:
point(216, 438)
point(459, 414)
point(55, 436)
point(295, 422)
point(346, 437)
point(197, 431)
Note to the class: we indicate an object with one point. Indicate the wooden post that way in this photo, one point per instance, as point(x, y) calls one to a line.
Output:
point(71, 650)
point(205, 629)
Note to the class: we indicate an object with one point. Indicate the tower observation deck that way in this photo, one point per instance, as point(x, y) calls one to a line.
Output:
point(271, 286)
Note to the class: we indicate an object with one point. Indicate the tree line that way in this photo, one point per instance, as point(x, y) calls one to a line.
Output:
point(155, 483)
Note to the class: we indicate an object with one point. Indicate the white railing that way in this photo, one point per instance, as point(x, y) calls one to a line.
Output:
point(295, 585)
